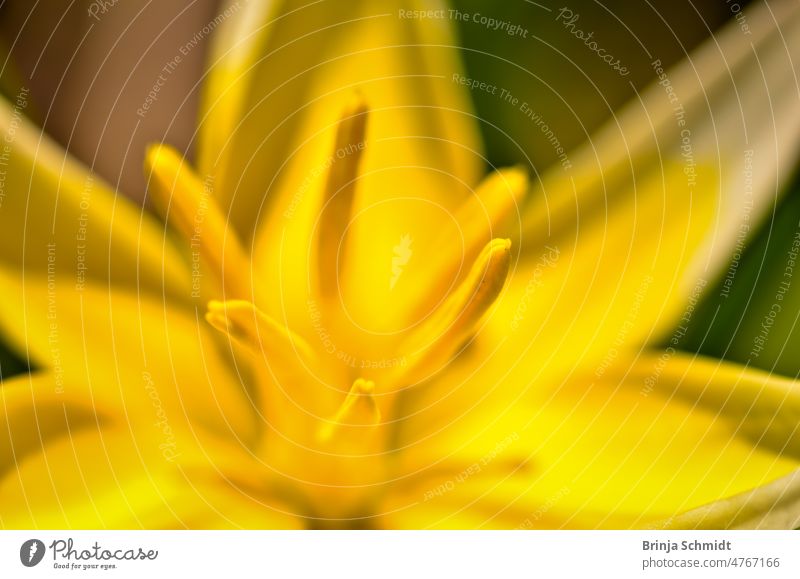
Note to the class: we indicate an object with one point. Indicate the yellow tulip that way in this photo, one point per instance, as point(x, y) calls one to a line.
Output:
point(342, 322)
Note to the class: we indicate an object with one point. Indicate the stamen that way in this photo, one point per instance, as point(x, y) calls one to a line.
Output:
point(494, 201)
point(255, 330)
point(436, 341)
point(340, 190)
point(359, 410)
point(184, 200)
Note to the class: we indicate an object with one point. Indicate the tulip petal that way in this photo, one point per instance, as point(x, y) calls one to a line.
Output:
point(36, 410)
point(281, 71)
point(400, 281)
point(111, 478)
point(128, 353)
point(726, 98)
point(57, 216)
point(277, 99)
point(610, 451)
point(618, 283)
point(727, 118)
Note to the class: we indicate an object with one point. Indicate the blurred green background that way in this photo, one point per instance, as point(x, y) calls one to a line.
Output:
point(560, 76)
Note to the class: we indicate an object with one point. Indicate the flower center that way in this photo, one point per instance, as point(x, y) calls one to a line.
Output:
point(327, 426)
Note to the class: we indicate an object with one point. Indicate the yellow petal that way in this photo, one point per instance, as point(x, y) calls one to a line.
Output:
point(281, 71)
point(592, 451)
point(340, 190)
point(421, 147)
point(764, 407)
point(159, 366)
point(496, 200)
point(421, 275)
point(57, 216)
point(620, 281)
point(187, 203)
point(37, 409)
point(69, 458)
point(113, 478)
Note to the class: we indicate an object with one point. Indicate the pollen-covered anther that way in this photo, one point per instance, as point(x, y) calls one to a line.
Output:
point(340, 189)
point(186, 202)
point(355, 417)
point(256, 331)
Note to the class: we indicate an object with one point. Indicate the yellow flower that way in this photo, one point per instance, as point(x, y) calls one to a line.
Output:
point(324, 334)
